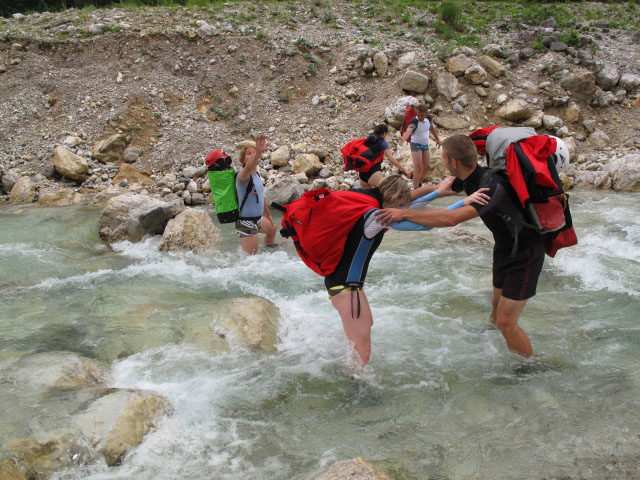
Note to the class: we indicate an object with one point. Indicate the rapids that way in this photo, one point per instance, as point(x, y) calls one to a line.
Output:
point(442, 397)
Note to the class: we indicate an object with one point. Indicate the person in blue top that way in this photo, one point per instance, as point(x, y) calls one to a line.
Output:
point(377, 143)
point(255, 216)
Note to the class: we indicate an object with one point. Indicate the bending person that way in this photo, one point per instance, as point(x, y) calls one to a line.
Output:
point(376, 141)
point(345, 284)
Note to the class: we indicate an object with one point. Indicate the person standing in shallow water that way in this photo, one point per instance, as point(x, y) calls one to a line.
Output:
point(515, 276)
point(255, 216)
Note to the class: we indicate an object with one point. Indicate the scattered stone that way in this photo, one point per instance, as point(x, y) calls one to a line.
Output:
point(132, 175)
point(283, 191)
point(394, 113)
point(495, 68)
point(625, 173)
point(475, 75)
point(572, 113)
point(155, 220)
point(110, 149)
point(342, 79)
point(131, 154)
point(70, 165)
point(23, 191)
point(630, 82)
point(190, 230)
point(459, 64)
point(481, 92)
point(381, 63)
point(58, 197)
point(552, 123)
point(580, 84)
point(558, 47)
point(535, 120)
point(406, 60)
point(515, 110)
point(599, 139)
point(608, 77)
point(500, 99)
point(414, 82)
point(280, 157)
point(449, 122)
point(306, 163)
point(446, 85)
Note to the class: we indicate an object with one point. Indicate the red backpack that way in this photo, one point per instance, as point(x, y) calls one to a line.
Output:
point(479, 138)
point(360, 157)
point(531, 171)
point(319, 223)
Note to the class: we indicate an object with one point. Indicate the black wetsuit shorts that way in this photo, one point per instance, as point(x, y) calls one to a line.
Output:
point(518, 276)
point(365, 176)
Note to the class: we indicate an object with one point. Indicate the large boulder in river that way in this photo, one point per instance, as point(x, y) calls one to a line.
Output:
point(120, 218)
point(254, 321)
point(190, 230)
point(284, 191)
point(119, 420)
point(70, 165)
point(40, 456)
point(155, 220)
point(356, 469)
point(394, 113)
point(625, 173)
point(23, 191)
point(57, 369)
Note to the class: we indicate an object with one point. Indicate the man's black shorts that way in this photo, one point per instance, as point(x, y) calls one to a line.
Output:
point(518, 276)
point(365, 176)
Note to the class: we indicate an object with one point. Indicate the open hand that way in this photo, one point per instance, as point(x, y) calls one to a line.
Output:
point(388, 215)
point(478, 197)
point(444, 187)
point(261, 144)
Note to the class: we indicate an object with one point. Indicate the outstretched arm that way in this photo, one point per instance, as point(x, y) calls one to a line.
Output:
point(435, 218)
point(251, 163)
point(389, 155)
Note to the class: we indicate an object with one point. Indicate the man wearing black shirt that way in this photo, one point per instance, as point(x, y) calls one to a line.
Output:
point(517, 256)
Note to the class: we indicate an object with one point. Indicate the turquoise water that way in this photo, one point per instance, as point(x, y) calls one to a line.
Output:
point(442, 397)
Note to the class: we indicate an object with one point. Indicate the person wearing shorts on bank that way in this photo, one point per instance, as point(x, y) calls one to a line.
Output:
point(377, 142)
point(255, 216)
point(417, 135)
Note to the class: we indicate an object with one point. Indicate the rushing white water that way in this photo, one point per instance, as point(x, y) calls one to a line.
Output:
point(442, 397)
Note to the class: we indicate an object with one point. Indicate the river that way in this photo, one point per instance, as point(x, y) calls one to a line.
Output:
point(441, 399)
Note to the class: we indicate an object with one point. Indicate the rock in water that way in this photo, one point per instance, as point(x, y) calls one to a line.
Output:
point(356, 469)
point(191, 229)
point(119, 420)
point(254, 321)
point(120, 218)
point(23, 191)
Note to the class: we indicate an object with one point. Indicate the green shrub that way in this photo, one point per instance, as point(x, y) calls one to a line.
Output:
point(451, 15)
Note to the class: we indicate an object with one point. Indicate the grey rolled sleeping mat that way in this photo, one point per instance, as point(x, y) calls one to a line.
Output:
point(499, 140)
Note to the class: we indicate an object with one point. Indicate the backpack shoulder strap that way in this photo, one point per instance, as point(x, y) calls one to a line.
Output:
point(247, 192)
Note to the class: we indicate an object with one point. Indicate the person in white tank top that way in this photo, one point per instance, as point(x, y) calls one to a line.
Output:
point(418, 135)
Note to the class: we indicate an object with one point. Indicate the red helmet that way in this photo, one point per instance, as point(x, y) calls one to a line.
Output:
point(213, 156)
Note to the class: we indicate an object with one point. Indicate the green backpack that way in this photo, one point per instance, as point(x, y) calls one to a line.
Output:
point(222, 179)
